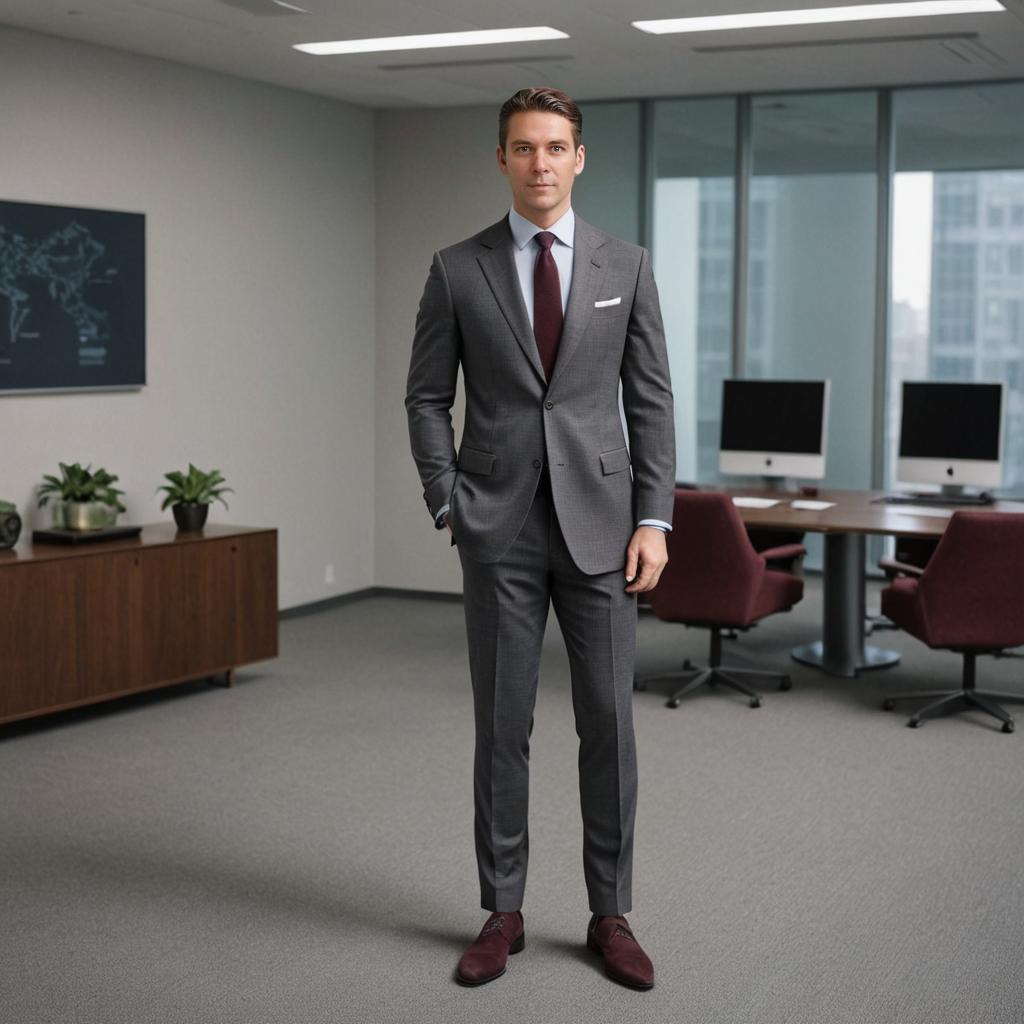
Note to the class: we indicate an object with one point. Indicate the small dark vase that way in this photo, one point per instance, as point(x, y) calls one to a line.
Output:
point(10, 529)
point(191, 516)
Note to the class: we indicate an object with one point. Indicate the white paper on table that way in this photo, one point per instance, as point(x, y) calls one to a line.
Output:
point(755, 502)
point(812, 506)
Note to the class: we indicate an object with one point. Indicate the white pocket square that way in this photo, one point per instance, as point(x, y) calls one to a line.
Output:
point(608, 302)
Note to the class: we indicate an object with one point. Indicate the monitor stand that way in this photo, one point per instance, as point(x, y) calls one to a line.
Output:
point(779, 484)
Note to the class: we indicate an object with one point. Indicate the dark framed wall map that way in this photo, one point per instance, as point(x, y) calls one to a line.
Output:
point(72, 298)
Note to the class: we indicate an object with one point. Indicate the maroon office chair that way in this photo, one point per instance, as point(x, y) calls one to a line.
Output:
point(968, 599)
point(715, 579)
point(911, 556)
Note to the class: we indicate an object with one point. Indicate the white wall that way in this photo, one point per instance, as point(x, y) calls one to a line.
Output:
point(437, 183)
point(260, 293)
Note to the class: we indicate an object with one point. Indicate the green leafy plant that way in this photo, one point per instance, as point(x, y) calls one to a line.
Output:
point(80, 483)
point(194, 487)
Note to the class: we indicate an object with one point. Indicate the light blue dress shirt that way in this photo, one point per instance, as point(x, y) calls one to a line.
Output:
point(526, 252)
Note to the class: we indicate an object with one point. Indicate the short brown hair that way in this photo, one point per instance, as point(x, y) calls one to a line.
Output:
point(551, 101)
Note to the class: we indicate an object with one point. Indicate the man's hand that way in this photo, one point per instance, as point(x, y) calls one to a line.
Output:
point(646, 556)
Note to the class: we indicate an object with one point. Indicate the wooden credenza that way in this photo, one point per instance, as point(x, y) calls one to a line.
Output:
point(80, 624)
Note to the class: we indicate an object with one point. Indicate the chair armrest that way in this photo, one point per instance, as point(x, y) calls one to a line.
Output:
point(783, 551)
point(892, 568)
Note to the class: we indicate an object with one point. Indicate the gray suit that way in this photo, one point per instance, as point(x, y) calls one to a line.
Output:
point(543, 503)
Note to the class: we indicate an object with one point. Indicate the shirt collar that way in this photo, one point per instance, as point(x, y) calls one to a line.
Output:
point(523, 230)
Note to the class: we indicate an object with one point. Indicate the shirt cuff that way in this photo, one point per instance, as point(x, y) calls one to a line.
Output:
point(657, 524)
point(439, 518)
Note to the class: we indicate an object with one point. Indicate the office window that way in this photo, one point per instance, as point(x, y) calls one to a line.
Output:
point(952, 368)
point(692, 248)
point(608, 192)
point(1015, 324)
point(957, 275)
point(958, 208)
point(810, 310)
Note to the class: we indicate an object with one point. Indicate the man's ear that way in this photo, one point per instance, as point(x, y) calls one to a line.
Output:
point(581, 155)
point(502, 162)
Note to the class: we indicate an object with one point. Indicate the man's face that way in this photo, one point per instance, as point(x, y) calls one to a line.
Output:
point(541, 165)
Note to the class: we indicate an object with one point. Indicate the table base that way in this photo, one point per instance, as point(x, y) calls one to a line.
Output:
point(867, 658)
point(841, 650)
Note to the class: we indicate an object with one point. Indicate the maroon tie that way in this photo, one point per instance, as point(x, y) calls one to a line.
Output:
point(547, 303)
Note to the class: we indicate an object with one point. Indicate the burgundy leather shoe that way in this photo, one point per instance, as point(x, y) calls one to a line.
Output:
point(624, 960)
point(487, 957)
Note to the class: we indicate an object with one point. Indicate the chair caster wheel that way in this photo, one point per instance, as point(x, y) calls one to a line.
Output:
point(888, 705)
point(786, 683)
point(913, 723)
point(1008, 726)
point(755, 702)
point(672, 704)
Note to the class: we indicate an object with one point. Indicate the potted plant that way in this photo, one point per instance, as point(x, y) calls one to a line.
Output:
point(10, 525)
point(88, 500)
point(191, 494)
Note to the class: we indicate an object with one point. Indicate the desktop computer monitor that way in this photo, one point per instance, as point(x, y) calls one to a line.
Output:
point(774, 427)
point(951, 434)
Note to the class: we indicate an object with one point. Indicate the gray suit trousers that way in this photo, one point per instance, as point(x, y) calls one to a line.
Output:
point(506, 612)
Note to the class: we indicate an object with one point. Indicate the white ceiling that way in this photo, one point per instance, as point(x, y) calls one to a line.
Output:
point(604, 57)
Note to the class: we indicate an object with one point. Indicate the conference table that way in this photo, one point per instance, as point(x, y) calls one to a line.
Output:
point(851, 517)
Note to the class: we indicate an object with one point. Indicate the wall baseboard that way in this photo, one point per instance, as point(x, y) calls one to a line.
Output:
point(315, 607)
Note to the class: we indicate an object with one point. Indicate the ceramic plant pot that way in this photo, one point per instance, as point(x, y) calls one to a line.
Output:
point(190, 516)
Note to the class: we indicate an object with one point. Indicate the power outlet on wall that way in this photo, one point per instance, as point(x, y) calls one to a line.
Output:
point(328, 574)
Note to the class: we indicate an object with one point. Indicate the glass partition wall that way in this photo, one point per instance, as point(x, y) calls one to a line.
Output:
point(869, 236)
point(811, 256)
point(610, 193)
point(957, 297)
point(692, 245)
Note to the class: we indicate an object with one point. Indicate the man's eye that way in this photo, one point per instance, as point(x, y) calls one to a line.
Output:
point(522, 149)
point(557, 149)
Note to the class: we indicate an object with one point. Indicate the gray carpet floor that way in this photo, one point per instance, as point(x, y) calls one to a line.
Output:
point(299, 848)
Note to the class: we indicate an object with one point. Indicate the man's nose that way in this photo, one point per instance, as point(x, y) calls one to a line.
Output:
point(540, 161)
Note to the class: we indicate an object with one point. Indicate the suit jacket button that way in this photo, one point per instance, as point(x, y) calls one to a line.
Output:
point(537, 463)
point(549, 405)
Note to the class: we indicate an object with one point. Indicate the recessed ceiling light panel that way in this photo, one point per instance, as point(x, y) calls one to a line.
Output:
point(484, 37)
point(819, 16)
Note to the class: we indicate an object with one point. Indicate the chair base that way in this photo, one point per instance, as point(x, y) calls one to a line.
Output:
point(695, 677)
point(955, 700)
point(967, 698)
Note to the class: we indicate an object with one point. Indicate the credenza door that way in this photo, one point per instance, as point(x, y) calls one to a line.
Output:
point(189, 609)
point(69, 631)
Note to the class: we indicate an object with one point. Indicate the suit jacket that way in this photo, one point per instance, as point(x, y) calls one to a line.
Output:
point(472, 313)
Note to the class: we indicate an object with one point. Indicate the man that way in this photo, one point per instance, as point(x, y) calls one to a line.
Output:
point(547, 317)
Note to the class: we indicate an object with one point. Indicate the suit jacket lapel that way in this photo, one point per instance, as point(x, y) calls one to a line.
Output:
point(499, 268)
point(587, 275)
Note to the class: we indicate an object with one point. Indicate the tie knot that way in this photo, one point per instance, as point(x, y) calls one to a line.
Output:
point(545, 239)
